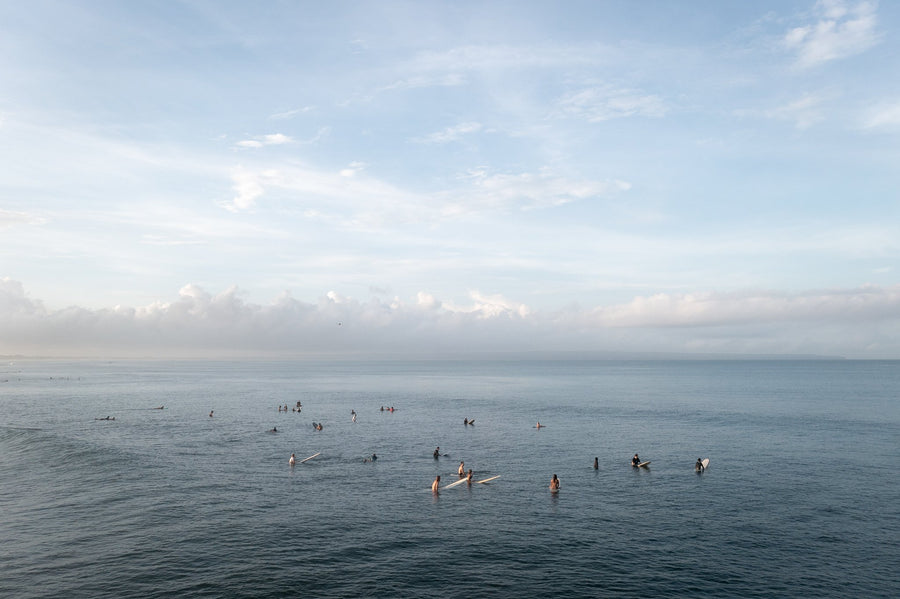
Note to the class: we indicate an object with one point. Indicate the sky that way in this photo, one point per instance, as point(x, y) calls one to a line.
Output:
point(207, 178)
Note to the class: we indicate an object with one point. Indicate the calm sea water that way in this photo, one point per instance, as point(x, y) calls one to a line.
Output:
point(801, 498)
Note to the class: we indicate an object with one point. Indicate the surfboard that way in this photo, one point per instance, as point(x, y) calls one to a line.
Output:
point(705, 462)
point(487, 480)
point(644, 464)
point(310, 457)
point(459, 482)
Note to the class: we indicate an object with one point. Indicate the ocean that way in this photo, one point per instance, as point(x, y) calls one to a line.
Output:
point(801, 497)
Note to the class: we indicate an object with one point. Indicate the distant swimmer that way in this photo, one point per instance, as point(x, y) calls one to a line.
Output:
point(635, 460)
point(211, 413)
point(437, 452)
point(699, 465)
point(274, 429)
point(382, 408)
point(465, 421)
point(538, 425)
point(353, 418)
point(374, 457)
point(107, 418)
point(436, 484)
point(462, 469)
point(554, 483)
point(596, 464)
point(293, 460)
point(371, 459)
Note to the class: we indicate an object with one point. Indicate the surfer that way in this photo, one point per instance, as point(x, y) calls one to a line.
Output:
point(436, 484)
point(462, 469)
point(554, 483)
point(465, 421)
point(699, 465)
point(211, 413)
point(437, 452)
point(293, 460)
point(539, 425)
point(274, 429)
point(635, 460)
point(469, 478)
point(596, 464)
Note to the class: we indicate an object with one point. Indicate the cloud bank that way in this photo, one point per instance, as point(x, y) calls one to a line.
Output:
point(858, 323)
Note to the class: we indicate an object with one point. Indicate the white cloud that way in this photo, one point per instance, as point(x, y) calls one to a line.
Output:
point(450, 134)
point(840, 31)
point(849, 321)
point(288, 114)
point(9, 218)
point(803, 112)
point(247, 188)
point(885, 116)
point(273, 139)
point(599, 104)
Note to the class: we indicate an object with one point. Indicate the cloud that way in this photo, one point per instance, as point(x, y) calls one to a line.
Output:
point(289, 114)
point(274, 139)
point(10, 219)
point(860, 322)
point(803, 112)
point(247, 188)
point(885, 116)
point(840, 31)
point(450, 134)
point(599, 104)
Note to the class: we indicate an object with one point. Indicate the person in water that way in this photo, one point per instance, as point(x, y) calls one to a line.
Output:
point(635, 460)
point(210, 413)
point(274, 429)
point(437, 452)
point(461, 471)
point(554, 483)
point(293, 460)
point(465, 421)
point(699, 465)
point(436, 484)
point(539, 425)
point(596, 464)
point(469, 478)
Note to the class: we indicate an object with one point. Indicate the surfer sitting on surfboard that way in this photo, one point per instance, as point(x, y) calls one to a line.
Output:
point(699, 465)
point(554, 483)
point(635, 460)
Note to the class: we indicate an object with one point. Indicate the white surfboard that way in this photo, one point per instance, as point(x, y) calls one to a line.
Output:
point(459, 482)
point(644, 464)
point(487, 480)
point(705, 462)
point(310, 457)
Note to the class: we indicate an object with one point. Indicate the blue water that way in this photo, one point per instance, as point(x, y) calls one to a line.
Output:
point(801, 498)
